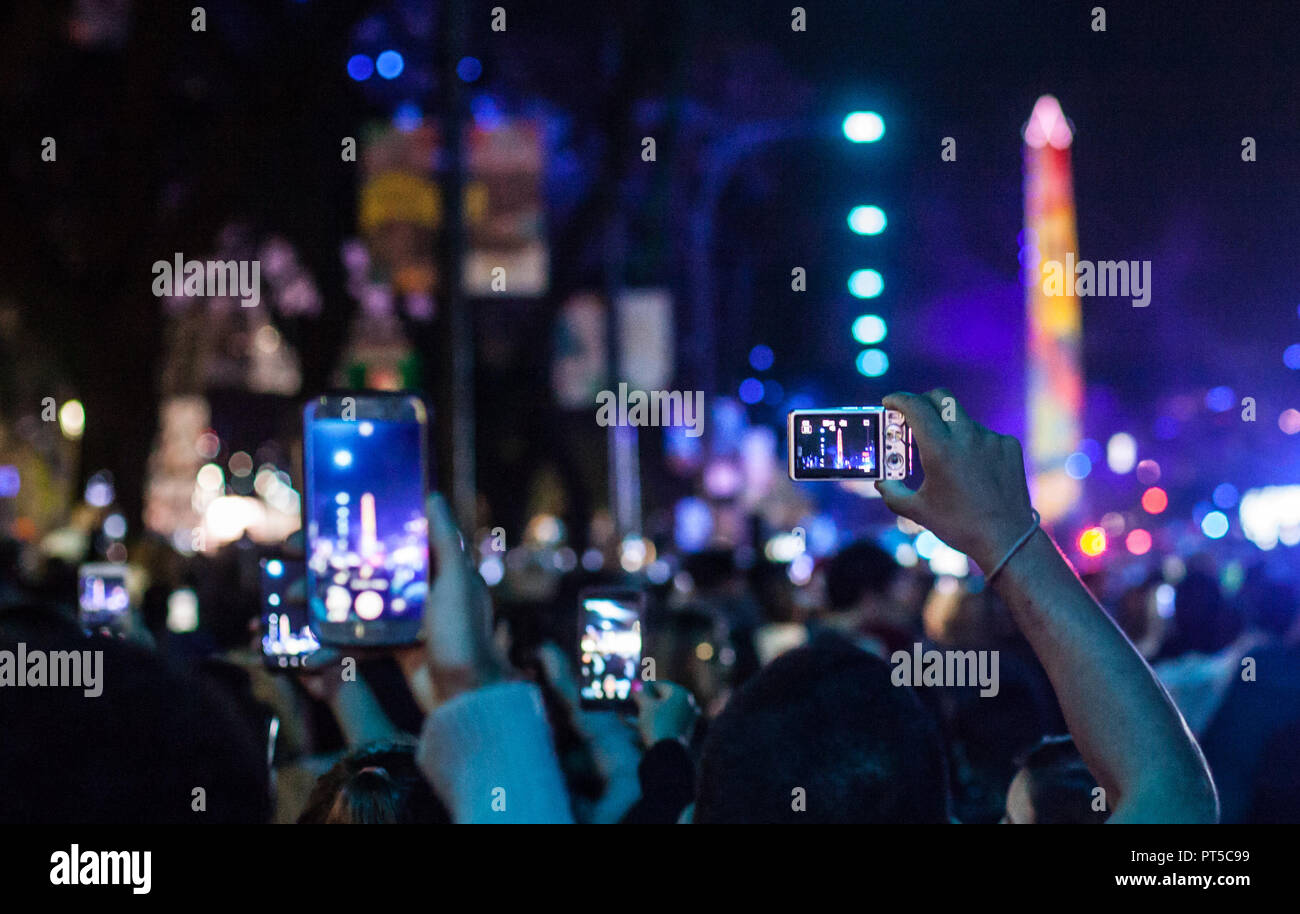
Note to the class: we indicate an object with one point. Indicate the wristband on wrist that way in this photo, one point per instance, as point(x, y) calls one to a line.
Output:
point(1016, 548)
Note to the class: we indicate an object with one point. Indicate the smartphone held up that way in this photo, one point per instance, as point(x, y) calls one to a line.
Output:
point(367, 536)
point(609, 643)
point(287, 638)
point(104, 602)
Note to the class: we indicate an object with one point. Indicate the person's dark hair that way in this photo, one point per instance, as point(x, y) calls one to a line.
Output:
point(378, 784)
point(1203, 622)
point(770, 583)
point(1060, 784)
point(827, 719)
point(858, 569)
point(711, 568)
point(1130, 612)
point(139, 751)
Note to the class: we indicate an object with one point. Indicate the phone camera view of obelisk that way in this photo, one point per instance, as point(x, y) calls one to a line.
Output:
point(367, 524)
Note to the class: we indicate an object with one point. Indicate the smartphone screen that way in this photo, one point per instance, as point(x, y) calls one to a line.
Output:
point(103, 599)
point(610, 647)
point(287, 638)
point(367, 536)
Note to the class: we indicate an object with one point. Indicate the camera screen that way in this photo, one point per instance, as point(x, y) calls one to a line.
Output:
point(837, 445)
point(103, 597)
point(611, 648)
point(286, 635)
point(367, 537)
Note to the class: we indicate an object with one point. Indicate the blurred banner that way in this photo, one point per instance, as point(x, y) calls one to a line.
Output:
point(401, 206)
point(503, 211)
point(578, 372)
point(645, 336)
point(646, 345)
point(1054, 372)
point(402, 209)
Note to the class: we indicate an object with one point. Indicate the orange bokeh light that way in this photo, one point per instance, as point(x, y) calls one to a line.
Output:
point(1154, 500)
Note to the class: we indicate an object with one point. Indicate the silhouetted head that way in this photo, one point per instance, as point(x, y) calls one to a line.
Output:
point(133, 740)
point(1053, 787)
point(823, 728)
point(857, 572)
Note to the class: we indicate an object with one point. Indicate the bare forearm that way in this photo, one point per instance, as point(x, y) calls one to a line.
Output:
point(360, 716)
point(1127, 729)
point(975, 497)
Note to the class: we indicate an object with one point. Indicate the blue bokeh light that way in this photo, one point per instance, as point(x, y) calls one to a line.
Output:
point(1078, 465)
point(1226, 495)
point(390, 64)
point(867, 220)
point(360, 67)
point(761, 357)
point(751, 390)
point(1219, 399)
point(863, 126)
point(469, 69)
point(872, 363)
point(870, 329)
point(408, 116)
point(1215, 525)
point(866, 283)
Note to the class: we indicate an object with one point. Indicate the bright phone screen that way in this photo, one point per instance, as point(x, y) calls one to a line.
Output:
point(367, 534)
point(287, 637)
point(103, 596)
point(610, 645)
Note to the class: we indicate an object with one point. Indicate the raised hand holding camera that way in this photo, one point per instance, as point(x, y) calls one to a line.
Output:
point(975, 497)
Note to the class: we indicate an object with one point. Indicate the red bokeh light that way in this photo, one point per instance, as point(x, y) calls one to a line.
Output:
point(1154, 500)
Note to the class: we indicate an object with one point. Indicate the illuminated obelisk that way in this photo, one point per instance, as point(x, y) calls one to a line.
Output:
point(369, 538)
point(1054, 372)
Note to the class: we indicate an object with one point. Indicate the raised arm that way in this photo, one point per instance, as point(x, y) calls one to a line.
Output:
point(355, 706)
point(975, 498)
point(487, 748)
